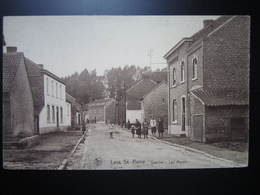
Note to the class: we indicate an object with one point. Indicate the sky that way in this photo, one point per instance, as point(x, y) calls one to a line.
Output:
point(69, 44)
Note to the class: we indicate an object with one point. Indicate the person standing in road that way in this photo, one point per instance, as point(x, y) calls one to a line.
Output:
point(133, 131)
point(83, 126)
point(145, 128)
point(160, 127)
point(138, 128)
point(128, 125)
point(153, 125)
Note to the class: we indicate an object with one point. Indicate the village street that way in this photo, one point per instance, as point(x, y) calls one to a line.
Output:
point(99, 151)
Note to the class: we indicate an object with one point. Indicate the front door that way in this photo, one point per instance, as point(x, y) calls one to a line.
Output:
point(183, 114)
point(198, 127)
point(57, 116)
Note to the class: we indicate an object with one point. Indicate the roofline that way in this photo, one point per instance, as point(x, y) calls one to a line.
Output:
point(177, 45)
point(155, 87)
point(127, 91)
point(53, 76)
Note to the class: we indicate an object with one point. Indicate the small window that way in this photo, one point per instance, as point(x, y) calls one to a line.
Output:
point(48, 114)
point(174, 111)
point(56, 90)
point(53, 114)
point(52, 88)
point(182, 71)
point(61, 114)
point(47, 86)
point(60, 93)
point(173, 77)
point(163, 100)
point(194, 68)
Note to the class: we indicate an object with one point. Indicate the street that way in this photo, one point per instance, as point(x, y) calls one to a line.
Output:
point(99, 151)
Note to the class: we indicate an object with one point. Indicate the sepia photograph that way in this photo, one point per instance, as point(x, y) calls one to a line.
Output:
point(125, 92)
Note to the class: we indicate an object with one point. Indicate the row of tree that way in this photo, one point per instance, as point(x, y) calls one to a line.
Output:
point(88, 86)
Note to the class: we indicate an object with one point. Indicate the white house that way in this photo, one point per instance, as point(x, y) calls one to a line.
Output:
point(51, 111)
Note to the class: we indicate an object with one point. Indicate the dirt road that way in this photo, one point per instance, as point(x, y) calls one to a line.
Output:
point(99, 151)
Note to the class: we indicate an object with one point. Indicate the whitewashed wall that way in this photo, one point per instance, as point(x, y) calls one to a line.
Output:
point(54, 96)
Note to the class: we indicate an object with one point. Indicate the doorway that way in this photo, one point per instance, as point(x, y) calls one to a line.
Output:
point(183, 113)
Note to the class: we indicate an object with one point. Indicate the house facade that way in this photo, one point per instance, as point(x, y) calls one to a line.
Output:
point(49, 97)
point(17, 113)
point(135, 94)
point(155, 103)
point(208, 78)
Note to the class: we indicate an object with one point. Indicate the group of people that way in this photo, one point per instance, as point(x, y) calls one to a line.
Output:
point(140, 129)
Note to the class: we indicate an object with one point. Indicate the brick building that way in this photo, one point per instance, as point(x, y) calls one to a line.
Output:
point(102, 110)
point(155, 103)
point(209, 81)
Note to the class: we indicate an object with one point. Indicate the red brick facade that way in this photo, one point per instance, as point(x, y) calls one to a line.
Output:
point(216, 104)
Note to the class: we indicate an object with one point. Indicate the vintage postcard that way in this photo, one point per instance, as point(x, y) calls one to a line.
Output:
point(125, 92)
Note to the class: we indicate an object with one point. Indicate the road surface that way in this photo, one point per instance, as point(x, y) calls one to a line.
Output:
point(99, 151)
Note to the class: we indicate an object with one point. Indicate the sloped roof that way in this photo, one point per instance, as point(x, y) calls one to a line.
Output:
point(221, 98)
point(156, 87)
point(70, 98)
point(133, 105)
point(141, 88)
point(11, 62)
point(157, 76)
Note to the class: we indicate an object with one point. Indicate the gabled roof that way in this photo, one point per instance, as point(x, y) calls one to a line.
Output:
point(140, 89)
point(156, 87)
point(11, 62)
point(221, 98)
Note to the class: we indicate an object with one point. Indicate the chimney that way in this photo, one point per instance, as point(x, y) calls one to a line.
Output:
point(41, 65)
point(207, 23)
point(11, 49)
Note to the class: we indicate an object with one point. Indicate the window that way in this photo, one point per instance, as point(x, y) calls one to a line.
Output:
point(52, 88)
point(182, 71)
point(173, 77)
point(60, 93)
point(194, 68)
point(163, 100)
point(56, 90)
point(48, 114)
point(174, 111)
point(47, 86)
point(53, 114)
point(61, 115)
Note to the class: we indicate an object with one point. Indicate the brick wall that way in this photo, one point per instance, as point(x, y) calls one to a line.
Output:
point(226, 56)
point(22, 104)
point(156, 103)
point(218, 126)
point(195, 52)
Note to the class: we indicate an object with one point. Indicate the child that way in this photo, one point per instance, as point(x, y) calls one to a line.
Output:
point(133, 131)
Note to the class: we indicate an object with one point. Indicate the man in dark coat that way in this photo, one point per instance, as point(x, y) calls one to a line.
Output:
point(138, 128)
point(128, 125)
point(83, 126)
point(160, 127)
point(145, 128)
